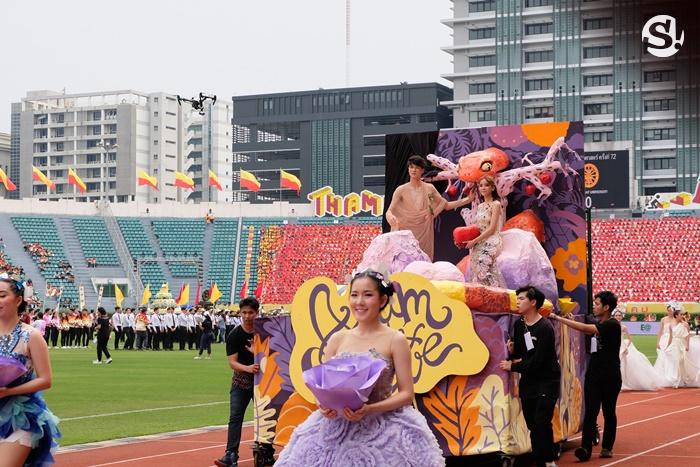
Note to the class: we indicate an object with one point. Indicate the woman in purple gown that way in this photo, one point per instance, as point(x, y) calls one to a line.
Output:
point(387, 430)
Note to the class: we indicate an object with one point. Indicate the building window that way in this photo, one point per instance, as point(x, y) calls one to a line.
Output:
point(112, 171)
point(597, 23)
point(97, 115)
point(488, 115)
point(539, 28)
point(92, 143)
point(111, 157)
point(482, 88)
point(112, 185)
point(657, 105)
point(539, 112)
point(539, 56)
point(58, 118)
point(591, 81)
point(58, 173)
point(659, 134)
point(373, 180)
point(599, 51)
point(155, 127)
point(96, 130)
point(93, 158)
point(482, 60)
point(59, 147)
point(660, 163)
point(536, 3)
point(374, 140)
point(374, 160)
point(659, 76)
point(482, 5)
point(482, 33)
point(93, 186)
point(58, 132)
point(57, 160)
point(155, 114)
point(155, 156)
point(539, 84)
point(598, 108)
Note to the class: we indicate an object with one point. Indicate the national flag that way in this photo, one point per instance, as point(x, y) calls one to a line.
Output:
point(244, 290)
point(183, 181)
point(145, 179)
point(197, 296)
point(288, 180)
point(73, 179)
point(146, 295)
point(118, 295)
point(5, 180)
point(184, 297)
point(39, 176)
point(249, 182)
point(215, 293)
point(214, 180)
point(258, 290)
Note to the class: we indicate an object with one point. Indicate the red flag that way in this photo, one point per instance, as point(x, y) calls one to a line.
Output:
point(258, 290)
point(198, 297)
point(244, 289)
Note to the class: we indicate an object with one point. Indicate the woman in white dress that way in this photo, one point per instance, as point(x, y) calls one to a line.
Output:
point(681, 371)
point(662, 341)
point(638, 373)
point(694, 345)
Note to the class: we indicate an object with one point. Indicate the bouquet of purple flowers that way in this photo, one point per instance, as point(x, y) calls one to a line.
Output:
point(344, 381)
point(10, 370)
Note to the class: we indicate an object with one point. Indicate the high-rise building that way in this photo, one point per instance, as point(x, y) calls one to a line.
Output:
point(331, 137)
point(208, 147)
point(108, 138)
point(4, 151)
point(526, 61)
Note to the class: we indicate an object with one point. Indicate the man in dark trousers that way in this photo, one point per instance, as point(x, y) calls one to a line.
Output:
point(239, 349)
point(603, 378)
point(534, 356)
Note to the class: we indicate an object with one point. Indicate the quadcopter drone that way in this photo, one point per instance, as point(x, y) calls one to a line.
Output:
point(197, 104)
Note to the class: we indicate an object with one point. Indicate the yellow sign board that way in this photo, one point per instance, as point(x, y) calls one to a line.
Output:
point(327, 202)
point(439, 329)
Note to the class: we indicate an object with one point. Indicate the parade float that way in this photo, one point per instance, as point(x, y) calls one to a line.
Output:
point(457, 330)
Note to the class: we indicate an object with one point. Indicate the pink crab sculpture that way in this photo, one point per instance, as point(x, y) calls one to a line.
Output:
point(493, 161)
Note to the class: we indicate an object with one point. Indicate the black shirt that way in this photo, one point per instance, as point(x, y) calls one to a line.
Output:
point(539, 368)
point(606, 360)
point(103, 331)
point(206, 324)
point(236, 343)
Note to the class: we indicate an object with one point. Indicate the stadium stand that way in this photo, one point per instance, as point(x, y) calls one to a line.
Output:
point(222, 257)
point(140, 247)
point(95, 241)
point(648, 259)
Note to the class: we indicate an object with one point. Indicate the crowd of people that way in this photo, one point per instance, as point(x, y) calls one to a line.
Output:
point(132, 329)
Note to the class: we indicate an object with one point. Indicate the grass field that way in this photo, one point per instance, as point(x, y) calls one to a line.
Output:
point(89, 398)
point(137, 382)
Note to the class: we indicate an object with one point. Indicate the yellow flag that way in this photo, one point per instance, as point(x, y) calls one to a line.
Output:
point(184, 297)
point(146, 295)
point(165, 288)
point(215, 294)
point(118, 295)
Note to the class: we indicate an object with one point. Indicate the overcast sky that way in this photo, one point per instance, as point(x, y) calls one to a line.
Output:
point(227, 47)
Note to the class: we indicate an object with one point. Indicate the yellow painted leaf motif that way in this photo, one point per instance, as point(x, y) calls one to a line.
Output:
point(264, 417)
point(457, 418)
point(292, 414)
point(494, 417)
point(440, 330)
point(271, 380)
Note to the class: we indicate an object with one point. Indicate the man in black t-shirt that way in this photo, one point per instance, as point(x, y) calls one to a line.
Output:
point(239, 346)
point(533, 355)
point(103, 327)
point(603, 378)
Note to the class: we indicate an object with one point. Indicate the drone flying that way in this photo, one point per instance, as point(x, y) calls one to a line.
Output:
point(197, 104)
